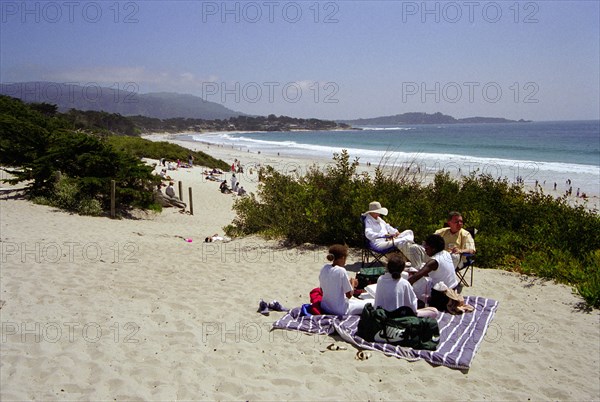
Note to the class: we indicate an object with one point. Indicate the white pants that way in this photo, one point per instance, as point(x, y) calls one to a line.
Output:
point(355, 306)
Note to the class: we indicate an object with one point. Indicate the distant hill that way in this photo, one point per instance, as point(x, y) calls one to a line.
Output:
point(424, 118)
point(161, 105)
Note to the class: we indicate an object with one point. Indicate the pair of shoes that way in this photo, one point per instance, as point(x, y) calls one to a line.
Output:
point(263, 307)
point(276, 306)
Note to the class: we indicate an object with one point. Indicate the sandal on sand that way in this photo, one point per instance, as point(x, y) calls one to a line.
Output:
point(263, 307)
point(276, 306)
point(333, 346)
point(362, 355)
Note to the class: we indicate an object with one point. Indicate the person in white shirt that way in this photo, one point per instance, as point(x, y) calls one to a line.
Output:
point(440, 268)
point(337, 287)
point(383, 236)
point(394, 291)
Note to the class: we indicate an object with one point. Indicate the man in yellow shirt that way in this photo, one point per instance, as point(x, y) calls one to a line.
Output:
point(458, 240)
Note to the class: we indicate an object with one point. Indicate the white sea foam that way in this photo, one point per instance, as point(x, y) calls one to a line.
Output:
point(585, 176)
point(387, 128)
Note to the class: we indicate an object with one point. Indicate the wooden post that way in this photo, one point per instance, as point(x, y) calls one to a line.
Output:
point(112, 198)
point(191, 202)
point(180, 190)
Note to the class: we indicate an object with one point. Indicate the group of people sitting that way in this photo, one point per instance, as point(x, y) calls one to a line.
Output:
point(236, 188)
point(174, 165)
point(168, 198)
point(421, 286)
point(213, 174)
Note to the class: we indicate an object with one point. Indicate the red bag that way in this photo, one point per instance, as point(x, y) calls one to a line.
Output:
point(316, 295)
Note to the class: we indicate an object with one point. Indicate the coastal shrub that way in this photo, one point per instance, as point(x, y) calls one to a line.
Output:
point(527, 232)
point(66, 194)
point(142, 148)
point(90, 207)
point(38, 147)
point(589, 287)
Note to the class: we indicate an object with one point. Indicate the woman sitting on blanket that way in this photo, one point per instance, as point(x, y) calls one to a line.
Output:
point(440, 268)
point(337, 287)
point(393, 291)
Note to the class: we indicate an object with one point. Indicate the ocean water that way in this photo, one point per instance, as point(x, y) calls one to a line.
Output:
point(546, 152)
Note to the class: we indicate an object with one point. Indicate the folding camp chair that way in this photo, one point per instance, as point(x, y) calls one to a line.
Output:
point(467, 267)
point(368, 251)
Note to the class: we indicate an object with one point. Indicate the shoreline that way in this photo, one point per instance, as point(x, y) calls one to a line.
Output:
point(299, 164)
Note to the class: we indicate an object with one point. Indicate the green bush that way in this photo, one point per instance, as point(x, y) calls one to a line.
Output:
point(42, 146)
point(142, 148)
point(90, 207)
point(526, 232)
point(66, 194)
point(589, 286)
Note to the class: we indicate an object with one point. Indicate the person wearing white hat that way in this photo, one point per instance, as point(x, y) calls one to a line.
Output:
point(383, 236)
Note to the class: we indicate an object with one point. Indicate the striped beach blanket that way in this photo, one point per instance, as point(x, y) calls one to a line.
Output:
point(460, 335)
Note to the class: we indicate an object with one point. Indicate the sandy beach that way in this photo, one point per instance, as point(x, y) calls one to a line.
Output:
point(101, 309)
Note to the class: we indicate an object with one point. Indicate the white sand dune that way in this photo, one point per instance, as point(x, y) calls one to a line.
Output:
point(99, 309)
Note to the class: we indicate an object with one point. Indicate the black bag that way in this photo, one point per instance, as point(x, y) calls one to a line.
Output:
point(368, 276)
point(399, 327)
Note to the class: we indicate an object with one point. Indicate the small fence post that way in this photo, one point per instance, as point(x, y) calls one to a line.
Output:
point(191, 202)
point(112, 198)
point(180, 190)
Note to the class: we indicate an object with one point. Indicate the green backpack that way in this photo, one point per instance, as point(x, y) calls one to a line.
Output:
point(399, 327)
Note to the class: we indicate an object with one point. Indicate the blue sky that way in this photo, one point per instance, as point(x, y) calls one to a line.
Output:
point(336, 60)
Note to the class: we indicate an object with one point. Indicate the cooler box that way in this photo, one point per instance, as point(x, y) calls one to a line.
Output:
point(368, 276)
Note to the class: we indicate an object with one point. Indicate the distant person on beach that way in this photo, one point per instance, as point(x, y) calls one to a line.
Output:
point(223, 187)
point(233, 181)
point(170, 191)
point(337, 287)
point(394, 291)
point(440, 268)
point(215, 238)
point(166, 201)
point(191, 160)
point(383, 236)
point(242, 192)
point(457, 239)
